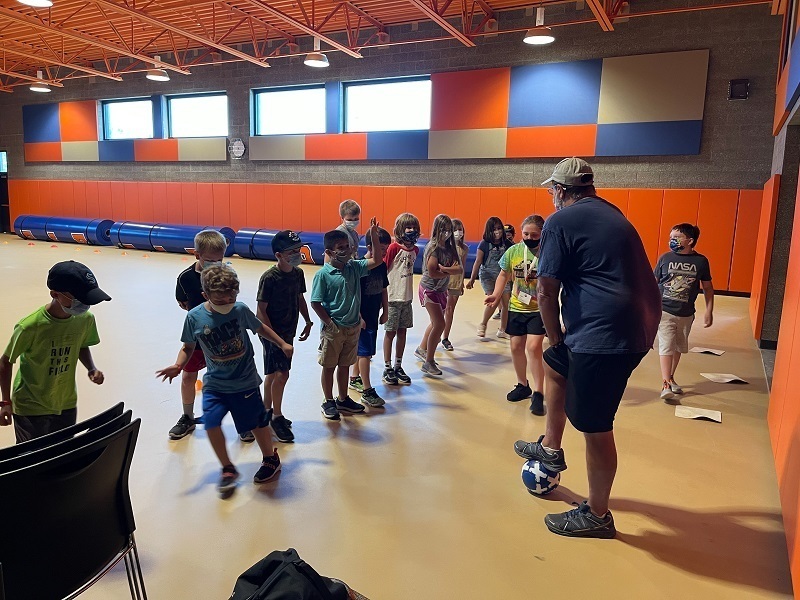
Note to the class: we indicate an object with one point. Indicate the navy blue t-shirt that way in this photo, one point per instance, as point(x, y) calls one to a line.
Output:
point(610, 301)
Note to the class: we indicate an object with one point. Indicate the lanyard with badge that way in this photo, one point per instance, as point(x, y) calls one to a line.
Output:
point(525, 297)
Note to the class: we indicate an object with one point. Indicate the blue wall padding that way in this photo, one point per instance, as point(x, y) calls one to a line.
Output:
point(116, 150)
point(333, 107)
point(40, 123)
point(64, 229)
point(534, 99)
point(180, 238)
point(386, 145)
point(649, 139)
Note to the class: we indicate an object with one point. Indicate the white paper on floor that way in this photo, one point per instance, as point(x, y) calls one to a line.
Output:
point(690, 412)
point(723, 377)
point(713, 351)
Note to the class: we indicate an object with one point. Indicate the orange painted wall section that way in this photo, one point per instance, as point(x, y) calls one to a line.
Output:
point(336, 146)
point(564, 140)
point(78, 121)
point(482, 99)
point(43, 152)
point(315, 208)
point(763, 253)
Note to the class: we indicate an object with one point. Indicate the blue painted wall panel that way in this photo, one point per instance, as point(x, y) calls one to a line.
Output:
point(555, 94)
point(649, 139)
point(333, 107)
point(40, 123)
point(116, 151)
point(397, 145)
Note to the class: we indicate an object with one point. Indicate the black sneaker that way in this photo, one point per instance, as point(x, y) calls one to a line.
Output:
point(349, 406)
point(581, 522)
point(329, 410)
point(520, 392)
point(247, 437)
point(227, 479)
point(402, 378)
point(183, 427)
point(268, 469)
point(389, 376)
point(371, 398)
point(535, 451)
point(537, 404)
point(281, 430)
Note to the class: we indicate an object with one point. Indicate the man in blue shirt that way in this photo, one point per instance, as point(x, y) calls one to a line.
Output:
point(610, 307)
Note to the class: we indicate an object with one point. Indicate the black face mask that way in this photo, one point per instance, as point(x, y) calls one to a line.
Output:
point(411, 237)
point(532, 244)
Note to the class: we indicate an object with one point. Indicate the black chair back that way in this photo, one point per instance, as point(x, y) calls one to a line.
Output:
point(48, 452)
point(62, 434)
point(66, 518)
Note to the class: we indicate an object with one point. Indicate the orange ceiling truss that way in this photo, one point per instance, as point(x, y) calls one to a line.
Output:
point(116, 38)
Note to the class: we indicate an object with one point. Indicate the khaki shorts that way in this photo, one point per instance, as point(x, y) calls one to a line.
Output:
point(673, 334)
point(339, 345)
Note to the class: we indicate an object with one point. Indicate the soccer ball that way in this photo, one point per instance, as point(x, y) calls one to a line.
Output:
point(539, 480)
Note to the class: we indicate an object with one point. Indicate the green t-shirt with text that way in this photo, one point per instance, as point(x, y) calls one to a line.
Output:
point(521, 262)
point(48, 350)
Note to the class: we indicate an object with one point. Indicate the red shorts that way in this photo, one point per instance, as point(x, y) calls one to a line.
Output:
point(197, 361)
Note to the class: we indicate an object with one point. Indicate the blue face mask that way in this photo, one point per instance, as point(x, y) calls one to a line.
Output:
point(411, 237)
point(675, 245)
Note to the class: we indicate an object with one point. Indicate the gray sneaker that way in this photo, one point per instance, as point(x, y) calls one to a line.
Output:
point(673, 385)
point(420, 355)
point(667, 395)
point(581, 522)
point(329, 410)
point(431, 369)
point(535, 451)
point(371, 398)
point(183, 427)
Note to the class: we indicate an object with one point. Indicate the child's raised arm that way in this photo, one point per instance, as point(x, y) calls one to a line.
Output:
point(377, 252)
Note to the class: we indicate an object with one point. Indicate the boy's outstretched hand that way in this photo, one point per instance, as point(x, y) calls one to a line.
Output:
point(169, 373)
point(96, 376)
point(306, 332)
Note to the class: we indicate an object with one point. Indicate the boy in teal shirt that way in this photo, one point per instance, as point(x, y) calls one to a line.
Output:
point(49, 344)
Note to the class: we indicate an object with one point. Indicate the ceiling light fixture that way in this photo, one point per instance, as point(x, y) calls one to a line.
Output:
point(156, 74)
point(539, 35)
point(40, 86)
point(37, 3)
point(316, 58)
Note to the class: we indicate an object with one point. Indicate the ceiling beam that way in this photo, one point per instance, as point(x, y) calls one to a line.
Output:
point(33, 23)
point(53, 61)
point(303, 27)
point(599, 12)
point(29, 78)
point(443, 23)
point(155, 22)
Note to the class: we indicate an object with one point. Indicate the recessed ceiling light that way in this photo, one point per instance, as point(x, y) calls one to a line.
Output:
point(40, 86)
point(37, 3)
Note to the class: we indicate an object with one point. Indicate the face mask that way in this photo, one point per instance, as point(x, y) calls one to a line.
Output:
point(341, 257)
point(446, 235)
point(77, 308)
point(532, 244)
point(222, 309)
point(457, 235)
point(411, 237)
point(211, 263)
point(351, 224)
point(675, 246)
point(295, 260)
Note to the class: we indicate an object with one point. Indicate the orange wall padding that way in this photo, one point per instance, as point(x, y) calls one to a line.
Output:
point(784, 409)
point(763, 253)
point(303, 207)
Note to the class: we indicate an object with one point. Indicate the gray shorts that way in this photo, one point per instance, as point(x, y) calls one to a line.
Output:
point(28, 428)
point(401, 316)
point(673, 334)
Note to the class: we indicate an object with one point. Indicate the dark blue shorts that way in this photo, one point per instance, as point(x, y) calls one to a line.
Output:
point(274, 358)
point(246, 408)
point(367, 342)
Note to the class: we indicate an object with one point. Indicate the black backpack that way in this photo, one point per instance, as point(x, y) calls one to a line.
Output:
point(283, 575)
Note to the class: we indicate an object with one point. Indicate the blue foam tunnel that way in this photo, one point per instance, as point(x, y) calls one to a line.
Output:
point(257, 243)
point(64, 229)
point(180, 238)
point(130, 235)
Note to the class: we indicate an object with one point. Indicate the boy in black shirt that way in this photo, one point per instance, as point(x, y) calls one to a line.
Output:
point(374, 311)
point(680, 274)
point(209, 249)
point(280, 302)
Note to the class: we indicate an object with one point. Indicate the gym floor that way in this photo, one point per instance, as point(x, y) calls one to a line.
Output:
point(424, 500)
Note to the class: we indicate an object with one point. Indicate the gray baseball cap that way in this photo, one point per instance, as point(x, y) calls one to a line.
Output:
point(572, 171)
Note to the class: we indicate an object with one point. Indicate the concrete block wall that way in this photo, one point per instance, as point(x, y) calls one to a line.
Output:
point(736, 149)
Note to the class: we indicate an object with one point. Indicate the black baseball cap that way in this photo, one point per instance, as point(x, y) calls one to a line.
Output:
point(286, 240)
point(76, 279)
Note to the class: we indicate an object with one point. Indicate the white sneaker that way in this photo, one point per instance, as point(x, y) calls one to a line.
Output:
point(420, 355)
point(482, 330)
point(666, 393)
point(676, 389)
point(503, 335)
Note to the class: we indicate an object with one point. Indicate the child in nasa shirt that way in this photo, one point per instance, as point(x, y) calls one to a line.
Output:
point(680, 274)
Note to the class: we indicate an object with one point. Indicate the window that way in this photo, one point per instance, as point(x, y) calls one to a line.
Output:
point(198, 115)
point(397, 105)
point(3, 163)
point(290, 111)
point(127, 119)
